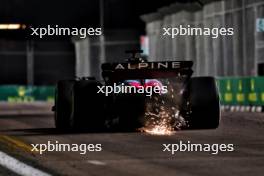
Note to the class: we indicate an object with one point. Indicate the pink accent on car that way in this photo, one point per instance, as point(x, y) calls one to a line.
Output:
point(153, 83)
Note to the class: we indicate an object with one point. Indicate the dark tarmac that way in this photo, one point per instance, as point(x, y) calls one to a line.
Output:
point(138, 153)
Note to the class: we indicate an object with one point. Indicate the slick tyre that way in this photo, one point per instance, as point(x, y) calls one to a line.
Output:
point(204, 103)
point(88, 106)
point(63, 104)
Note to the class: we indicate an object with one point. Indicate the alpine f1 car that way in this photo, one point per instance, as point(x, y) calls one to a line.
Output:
point(136, 94)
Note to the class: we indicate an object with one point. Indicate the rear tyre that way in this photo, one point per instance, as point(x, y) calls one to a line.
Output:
point(204, 103)
point(88, 106)
point(63, 104)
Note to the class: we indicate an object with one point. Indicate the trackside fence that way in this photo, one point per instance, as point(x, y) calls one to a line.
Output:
point(242, 93)
point(14, 93)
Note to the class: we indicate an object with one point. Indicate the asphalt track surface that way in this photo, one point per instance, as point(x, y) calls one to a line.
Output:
point(138, 153)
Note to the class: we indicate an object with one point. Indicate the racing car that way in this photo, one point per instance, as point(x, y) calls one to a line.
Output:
point(188, 102)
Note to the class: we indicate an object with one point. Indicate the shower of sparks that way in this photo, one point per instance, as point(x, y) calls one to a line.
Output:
point(162, 116)
point(163, 123)
point(160, 129)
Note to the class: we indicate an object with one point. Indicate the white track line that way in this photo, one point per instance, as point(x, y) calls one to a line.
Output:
point(19, 167)
point(96, 162)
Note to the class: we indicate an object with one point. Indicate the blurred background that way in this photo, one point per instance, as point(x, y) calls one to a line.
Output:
point(237, 55)
point(34, 61)
point(30, 67)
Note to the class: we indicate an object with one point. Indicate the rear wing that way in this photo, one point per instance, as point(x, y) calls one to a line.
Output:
point(146, 70)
